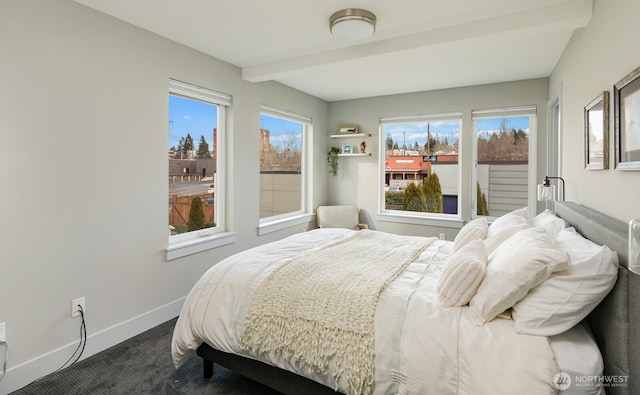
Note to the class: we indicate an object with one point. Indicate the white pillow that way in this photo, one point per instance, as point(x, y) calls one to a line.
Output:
point(492, 242)
point(462, 275)
point(506, 226)
point(522, 262)
point(473, 230)
point(509, 220)
point(569, 295)
point(578, 354)
point(549, 222)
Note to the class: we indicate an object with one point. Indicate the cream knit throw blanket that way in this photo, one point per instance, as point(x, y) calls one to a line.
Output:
point(320, 306)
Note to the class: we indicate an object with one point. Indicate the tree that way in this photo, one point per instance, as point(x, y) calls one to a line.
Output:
point(425, 199)
point(203, 149)
point(185, 145)
point(481, 199)
point(431, 145)
point(413, 199)
point(433, 194)
point(196, 215)
point(181, 147)
point(505, 145)
point(389, 142)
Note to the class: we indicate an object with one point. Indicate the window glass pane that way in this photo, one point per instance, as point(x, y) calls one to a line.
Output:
point(192, 164)
point(421, 166)
point(281, 166)
point(503, 164)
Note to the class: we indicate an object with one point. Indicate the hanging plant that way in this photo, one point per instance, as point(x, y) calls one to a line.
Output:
point(332, 158)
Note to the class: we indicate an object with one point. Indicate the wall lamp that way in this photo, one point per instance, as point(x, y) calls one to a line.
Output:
point(634, 246)
point(547, 191)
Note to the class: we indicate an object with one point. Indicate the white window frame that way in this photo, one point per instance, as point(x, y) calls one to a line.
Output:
point(507, 112)
point(205, 239)
point(411, 217)
point(304, 215)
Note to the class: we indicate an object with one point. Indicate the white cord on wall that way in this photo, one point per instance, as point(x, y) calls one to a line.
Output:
point(6, 356)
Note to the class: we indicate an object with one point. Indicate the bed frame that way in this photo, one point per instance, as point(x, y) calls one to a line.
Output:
point(615, 322)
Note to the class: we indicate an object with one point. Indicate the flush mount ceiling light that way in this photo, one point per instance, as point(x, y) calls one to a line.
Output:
point(352, 23)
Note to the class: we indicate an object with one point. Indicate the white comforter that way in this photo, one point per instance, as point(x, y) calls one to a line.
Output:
point(420, 347)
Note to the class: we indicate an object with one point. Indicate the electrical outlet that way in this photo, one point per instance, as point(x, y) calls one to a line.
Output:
point(442, 236)
point(3, 332)
point(75, 310)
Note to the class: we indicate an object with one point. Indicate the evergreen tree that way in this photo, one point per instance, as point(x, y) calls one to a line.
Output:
point(413, 199)
point(181, 147)
point(203, 149)
point(431, 145)
point(481, 199)
point(186, 144)
point(196, 215)
point(433, 194)
point(389, 142)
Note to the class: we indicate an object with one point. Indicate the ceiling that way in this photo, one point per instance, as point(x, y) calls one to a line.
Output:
point(418, 44)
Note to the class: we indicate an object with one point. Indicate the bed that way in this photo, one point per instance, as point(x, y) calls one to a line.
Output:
point(430, 334)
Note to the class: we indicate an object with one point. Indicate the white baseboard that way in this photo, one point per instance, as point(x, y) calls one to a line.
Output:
point(25, 373)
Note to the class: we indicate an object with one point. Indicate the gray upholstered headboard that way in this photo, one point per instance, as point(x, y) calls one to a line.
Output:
point(616, 321)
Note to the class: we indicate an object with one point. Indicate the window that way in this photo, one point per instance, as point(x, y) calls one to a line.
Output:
point(196, 165)
point(421, 169)
point(503, 172)
point(284, 167)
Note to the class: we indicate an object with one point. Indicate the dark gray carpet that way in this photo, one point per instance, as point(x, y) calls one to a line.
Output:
point(142, 365)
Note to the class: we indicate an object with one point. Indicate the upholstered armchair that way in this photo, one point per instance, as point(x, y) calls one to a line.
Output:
point(340, 217)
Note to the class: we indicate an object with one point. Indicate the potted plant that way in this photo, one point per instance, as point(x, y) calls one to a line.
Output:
point(332, 158)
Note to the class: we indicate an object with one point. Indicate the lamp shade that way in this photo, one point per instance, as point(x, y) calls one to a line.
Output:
point(352, 24)
point(546, 192)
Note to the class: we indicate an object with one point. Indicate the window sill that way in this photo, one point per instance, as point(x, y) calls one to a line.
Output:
point(446, 221)
point(193, 246)
point(285, 223)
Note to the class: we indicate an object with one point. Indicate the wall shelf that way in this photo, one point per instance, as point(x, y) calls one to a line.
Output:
point(357, 154)
point(347, 135)
point(354, 150)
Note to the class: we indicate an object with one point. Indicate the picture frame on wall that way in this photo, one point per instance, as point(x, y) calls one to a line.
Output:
point(596, 133)
point(349, 129)
point(346, 149)
point(626, 95)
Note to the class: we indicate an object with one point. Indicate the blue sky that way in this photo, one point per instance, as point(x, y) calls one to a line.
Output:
point(283, 133)
point(493, 124)
point(199, 119)
point(191, 116)
point(410, 133)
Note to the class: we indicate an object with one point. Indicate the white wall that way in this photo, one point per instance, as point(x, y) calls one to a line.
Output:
point(597, 57)
point(83, 117)
point(358, 178)
point(80, 87)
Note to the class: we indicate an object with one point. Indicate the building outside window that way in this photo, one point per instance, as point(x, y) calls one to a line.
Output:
point(196, 165)
point(422, 172)
point(284, 168)
point(421, 169)
point(502, 144)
